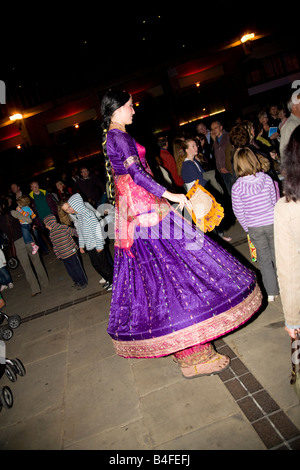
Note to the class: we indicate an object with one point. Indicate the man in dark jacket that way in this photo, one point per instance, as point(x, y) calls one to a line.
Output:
point(43, 204)
point(11, 226)
point(222, 150)
point(90, 187)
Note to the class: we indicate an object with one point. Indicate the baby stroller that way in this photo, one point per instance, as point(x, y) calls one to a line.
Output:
point(9, 251)
point(11, 368)
point(6, 331)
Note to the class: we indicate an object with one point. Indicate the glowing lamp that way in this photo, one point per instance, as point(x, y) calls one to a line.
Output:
point(16, 117)
point(247, 37)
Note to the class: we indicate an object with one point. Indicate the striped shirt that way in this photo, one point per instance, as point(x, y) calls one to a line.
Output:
point(61, 237)
point(27, 211)
point(90, 234)
point(253, 200)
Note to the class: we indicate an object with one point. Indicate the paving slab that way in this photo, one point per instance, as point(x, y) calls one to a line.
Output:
point(77, 394)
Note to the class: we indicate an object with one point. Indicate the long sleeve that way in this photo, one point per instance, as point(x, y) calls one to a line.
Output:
point(78, 228)
point(238, 208)
point(99, 237)
point(253, 200)
point(123, 154)
point(2, 259)
point(287, 251)
point(18, 215)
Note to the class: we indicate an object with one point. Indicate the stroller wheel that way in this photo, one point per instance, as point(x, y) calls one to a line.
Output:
point(10, 373)
point(6, 397)
point(13, 263)
point(14, 321)
point(6, 333)
point(19, 367)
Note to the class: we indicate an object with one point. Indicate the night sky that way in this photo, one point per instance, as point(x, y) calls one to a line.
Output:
point(48, 44)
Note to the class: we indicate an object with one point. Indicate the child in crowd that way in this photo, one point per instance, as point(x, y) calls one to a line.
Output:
point(23, 206)
point(5, 278)
point(253, 202)
point(65, 248)
point(90, 237)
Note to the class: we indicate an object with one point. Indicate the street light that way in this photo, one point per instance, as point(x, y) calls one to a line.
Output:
point(247, 37)
point(16, 117)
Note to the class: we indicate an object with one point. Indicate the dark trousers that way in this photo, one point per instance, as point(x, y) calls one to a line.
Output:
point(100, 264)
point(75, 270)
point(5, 277)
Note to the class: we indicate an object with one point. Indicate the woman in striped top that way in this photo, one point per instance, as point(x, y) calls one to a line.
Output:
point(253, 202)
point(65, 248)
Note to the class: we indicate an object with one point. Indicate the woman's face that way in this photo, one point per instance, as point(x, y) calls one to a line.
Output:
point(124, 114)
point(67, 208)
point(192, 149)
point(263, 119)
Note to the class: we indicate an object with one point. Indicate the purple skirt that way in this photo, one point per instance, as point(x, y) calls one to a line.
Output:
point(176, 288)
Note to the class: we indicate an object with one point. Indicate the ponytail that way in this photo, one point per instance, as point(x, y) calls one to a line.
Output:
point(108, 169)
point(111, 101)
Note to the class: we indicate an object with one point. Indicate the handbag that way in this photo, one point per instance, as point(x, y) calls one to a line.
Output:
point(295, 353)
point(252, 249)
point(207, 213)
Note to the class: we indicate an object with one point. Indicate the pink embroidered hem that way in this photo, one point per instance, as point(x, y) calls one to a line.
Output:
point(203, 332)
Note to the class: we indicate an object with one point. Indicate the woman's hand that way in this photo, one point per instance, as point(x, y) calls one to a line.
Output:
point(81, 250)
point(291, 332)
point(180, 198)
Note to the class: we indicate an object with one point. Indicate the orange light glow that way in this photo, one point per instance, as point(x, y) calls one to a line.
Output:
point(247, 37)
point(15, 117)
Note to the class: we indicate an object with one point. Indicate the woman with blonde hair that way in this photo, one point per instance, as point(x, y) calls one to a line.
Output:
point(190, 168)
point(253, 201)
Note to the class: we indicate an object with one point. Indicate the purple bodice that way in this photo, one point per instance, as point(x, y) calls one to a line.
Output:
point(128, 157)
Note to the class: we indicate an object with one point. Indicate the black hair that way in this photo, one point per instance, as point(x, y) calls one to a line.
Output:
point(290, 167)
point(111, 101)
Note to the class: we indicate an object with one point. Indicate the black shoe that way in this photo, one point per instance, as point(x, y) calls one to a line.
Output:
point(81, 286)
point(109, 287)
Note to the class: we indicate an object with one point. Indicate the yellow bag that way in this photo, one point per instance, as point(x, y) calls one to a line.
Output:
point(207, 212)
point(252, 249)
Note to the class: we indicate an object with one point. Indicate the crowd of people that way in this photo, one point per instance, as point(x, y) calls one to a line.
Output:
point(247, 165)
point(35, 221)
point(249, 172)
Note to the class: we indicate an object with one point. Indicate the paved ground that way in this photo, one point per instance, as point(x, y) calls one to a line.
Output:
point(77, 394)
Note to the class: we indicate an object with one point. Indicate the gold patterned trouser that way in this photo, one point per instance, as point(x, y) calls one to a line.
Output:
point(198, 354)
